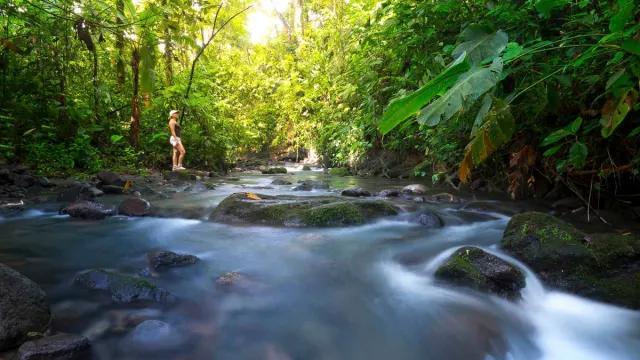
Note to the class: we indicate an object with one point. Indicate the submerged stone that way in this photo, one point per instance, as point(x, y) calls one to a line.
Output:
point(356, 192)
point(134, 207)
point(604, 266)
point(56, 347)
point(121, 287)
point(476, 269)
point(283, 210)
point(23, 308)
point(164, 259)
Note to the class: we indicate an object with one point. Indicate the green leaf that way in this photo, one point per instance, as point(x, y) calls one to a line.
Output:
point(116, 138)
point(552, 150)
point(512, 51)
point(631, 46)
point(480, 45)
point(496, 130)
point(622, 16)
point(487, 101)
point(560, 134)
point(469, 87)
point(401, 109)
point(612, 116)
point(578, 155)
point(545, 7)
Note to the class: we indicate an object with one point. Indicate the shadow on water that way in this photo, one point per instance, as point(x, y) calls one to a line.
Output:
point(364, 292)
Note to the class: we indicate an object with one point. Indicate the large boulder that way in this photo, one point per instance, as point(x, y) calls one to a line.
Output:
point(111, 178)
point(23, 308)
point(294, 211)
point(56, 347)
point(87, 210)
point(121, 287)
point(476, 269)
point(604, 266)
point(164, 259)
point(134, 207)
point(79, 191)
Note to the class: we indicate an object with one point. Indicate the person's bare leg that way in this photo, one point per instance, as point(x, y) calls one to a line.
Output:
point(175, 157)
point(182, 151)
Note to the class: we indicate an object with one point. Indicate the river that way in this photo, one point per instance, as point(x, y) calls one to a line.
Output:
point(363, 292)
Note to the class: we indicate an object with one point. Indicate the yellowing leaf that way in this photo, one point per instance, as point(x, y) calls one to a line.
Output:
point(252, 196)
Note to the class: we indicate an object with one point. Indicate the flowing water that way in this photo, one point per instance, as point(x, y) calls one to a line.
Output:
point(364, 292)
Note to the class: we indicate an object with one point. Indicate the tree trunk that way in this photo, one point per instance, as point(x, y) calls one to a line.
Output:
point(298, 20)
point(168, 50)
point(120, 75)
point(134, 129)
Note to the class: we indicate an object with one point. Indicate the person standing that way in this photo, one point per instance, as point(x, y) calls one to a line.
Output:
point(176, 142)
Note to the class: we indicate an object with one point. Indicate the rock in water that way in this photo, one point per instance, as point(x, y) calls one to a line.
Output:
point(356, 192)
point(430, 220)
point(154, 335)
point(111, 178)
point(605, 266)
point(389, 193)
point(122, 288)
point(234, 281)
point(294, 211)
point(134, 207)
point(163, 259)
point(275, 170)
point(308, 185)
point(414, 189)
point(476, 269)
point(306, 168)
point(23, 308)
point(56, 347)
point(87, 210)
point(280, 182)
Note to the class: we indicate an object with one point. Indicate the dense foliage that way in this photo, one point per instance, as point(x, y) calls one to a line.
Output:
point(536, 90)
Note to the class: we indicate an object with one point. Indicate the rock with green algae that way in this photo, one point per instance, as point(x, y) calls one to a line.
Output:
point(121, 287)
point(274, 170)
point(604, 266)
point(474, 268)
point(298, 211)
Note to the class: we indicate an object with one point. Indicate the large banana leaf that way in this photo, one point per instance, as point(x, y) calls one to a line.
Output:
point(497, 129)
point(401, 109)
point(469, 87)
point(481, 45)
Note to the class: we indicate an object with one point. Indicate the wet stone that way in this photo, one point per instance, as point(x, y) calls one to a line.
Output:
point(56, 347)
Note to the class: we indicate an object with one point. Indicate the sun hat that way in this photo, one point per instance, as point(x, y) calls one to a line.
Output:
point(173, 112)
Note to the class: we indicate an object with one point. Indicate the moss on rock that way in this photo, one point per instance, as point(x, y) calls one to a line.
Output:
point(476, 269)
point(604, 266)
point(274, 170)
point(284, 210)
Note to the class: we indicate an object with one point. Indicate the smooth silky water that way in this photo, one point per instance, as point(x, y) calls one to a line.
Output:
point(364, 292)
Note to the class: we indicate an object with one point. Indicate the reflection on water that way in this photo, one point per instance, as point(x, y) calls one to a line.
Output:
point(363, 292)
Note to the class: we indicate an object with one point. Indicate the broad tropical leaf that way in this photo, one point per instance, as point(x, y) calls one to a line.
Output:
point(496, 130)
point(578, 155)
point(512, 51)
point(614, 113)
point(401, 109)
point(481, 45)
point(469, 87)
point(631, 46)
point(560, 134)
point(623, 16)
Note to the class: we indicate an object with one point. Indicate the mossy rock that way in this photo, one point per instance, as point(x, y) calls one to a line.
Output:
point(306, 168)
point(339, 172)
point(275, 170)
point(121, 287)
point(545, 242)
point(476, 269)
point(603, 266)
point(298, 211)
